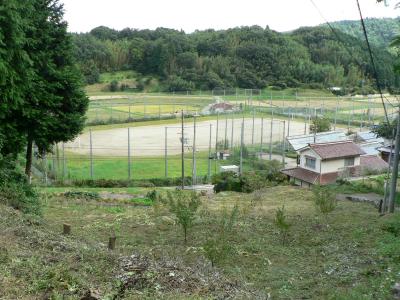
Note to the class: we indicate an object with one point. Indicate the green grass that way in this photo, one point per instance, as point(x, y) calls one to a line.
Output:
point(78, 167)
point(355, 257)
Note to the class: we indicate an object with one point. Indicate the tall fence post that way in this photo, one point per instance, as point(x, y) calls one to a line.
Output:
point(209, 155)
point(216, 144)
point(288, 125)
point(226, 132)
point(241, 148)
point(64, 168)
point(284, 143)
point(336, 111)
point(252, 129)
point(232, 132)
point(91, 154)
point(261, 139)
point(129, 154)
point(166, 152)
point(270, 135)
point(194, 171)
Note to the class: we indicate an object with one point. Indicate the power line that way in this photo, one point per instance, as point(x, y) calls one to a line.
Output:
point(354, 58)
point(372, 59)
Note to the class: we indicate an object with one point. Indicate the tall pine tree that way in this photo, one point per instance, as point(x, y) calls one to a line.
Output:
point(54, 110)
point(15, 72)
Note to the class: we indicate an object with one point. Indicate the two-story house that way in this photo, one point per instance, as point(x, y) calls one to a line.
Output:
point(323, 163)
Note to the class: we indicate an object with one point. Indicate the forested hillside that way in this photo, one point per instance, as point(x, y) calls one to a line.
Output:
point(246, 57)
point(381, 32)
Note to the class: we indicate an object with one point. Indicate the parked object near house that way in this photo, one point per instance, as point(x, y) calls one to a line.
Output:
point(324, 163)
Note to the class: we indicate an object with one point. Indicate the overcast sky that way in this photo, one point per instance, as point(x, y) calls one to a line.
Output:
point(189, 15)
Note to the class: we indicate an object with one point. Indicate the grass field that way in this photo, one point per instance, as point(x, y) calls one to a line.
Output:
point(353, 254)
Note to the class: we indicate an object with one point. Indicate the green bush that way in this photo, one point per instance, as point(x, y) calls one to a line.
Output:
point(15, 190)
point(227, 181)
point(248, 182)
point(324, 199)
point(217, 247)
point(184, 207)
point(281, 223)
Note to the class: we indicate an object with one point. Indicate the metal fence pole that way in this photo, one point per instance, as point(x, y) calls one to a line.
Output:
point(129, 154)
point(166, 152)
point(270, 136)
point(216, 135)
point(283, 143)
point(261, 139)
point(288, 125)
point(91, 155)
point(232, 133)
point(336, 111)
point(241, 148)
point(194, 171)
point(252, 129)
point(64, 168)
point(209, 155)
point(226, 132)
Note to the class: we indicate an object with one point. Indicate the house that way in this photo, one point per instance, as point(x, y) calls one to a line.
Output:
point(324, 163)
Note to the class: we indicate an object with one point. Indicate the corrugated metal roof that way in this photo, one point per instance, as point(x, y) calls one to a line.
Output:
point(369, 136)
point(300, 141)
point(371, 148)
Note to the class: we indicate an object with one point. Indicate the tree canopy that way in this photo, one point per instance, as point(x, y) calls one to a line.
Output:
point(246, 57)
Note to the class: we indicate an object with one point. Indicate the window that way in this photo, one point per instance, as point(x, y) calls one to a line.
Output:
point(310, 162)
point(349, 162)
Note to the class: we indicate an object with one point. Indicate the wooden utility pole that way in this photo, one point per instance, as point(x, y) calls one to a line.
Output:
point(395, 169)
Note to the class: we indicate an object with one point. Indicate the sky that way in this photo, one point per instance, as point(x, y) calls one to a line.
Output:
point(189, 15)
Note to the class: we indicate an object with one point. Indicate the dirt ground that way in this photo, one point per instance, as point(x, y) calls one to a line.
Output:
point(150, 140)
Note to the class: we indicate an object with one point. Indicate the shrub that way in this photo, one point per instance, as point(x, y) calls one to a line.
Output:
point(282, 223)
point(227, 181)
point(217, 248)
point(324, 200)
point(15, 190)
point(320, 125)
point(113, 87)
point(184, 206)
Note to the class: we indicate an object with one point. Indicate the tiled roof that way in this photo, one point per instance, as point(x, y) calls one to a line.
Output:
point(373, 162)
point(337, 149)
point(310, 176)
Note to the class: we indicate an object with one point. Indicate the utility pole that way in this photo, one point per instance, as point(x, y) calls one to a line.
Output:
point(183, 152)
point(395, 169)
point(232, 133)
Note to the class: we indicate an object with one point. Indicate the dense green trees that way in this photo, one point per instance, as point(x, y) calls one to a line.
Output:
point(40, 87)
point(14, 72)
point(247, 57)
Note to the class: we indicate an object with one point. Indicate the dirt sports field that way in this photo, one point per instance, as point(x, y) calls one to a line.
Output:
point(150, 140)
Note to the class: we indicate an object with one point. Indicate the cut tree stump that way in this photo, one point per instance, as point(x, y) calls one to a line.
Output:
point(111, 242)
point(66, 229)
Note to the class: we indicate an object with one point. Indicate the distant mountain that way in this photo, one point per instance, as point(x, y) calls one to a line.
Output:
point(381, 31)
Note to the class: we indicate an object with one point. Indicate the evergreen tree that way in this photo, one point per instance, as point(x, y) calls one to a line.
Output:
point(14, 72)
point(55, 107)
